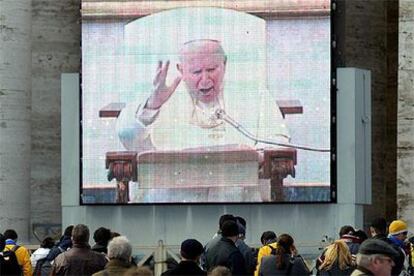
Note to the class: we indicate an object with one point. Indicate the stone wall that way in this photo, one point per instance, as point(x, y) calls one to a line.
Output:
point(55, 50)
point(15, 87)
point(405, 148)
point(370, 28)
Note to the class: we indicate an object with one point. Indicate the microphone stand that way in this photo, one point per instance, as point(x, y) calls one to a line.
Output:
point(221, 114)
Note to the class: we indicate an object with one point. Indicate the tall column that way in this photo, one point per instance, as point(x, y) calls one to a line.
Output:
point(405, 150)
point(15, 105)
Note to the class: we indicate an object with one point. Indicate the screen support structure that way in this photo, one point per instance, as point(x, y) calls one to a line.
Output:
point(163, 222)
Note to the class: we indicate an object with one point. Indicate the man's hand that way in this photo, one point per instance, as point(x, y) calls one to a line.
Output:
point(162, 92)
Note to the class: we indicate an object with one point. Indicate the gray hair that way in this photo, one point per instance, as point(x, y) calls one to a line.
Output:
point(365, 260)
point(119, 248)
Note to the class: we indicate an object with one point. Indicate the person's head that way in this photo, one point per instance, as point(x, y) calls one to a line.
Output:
point(378, 227)
point(225, 218)
point(230, 230)
point(268, 237)
point(80, 234)
point(48, 242)
point(114, 234)
point(120, 248)
point(286, 242)
point(360, 235)
point(191, 249)
point(241, 222)
point(398, 229)
point(338, 252)
point(10, 234)
point(2, 242)
point(377, 256)
point(220, 271)
point(202, 66)
point(285, 245)
point(346, 230)
point(68, 231)
point(102, 236)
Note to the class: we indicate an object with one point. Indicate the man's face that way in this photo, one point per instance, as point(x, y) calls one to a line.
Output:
point(382, 266)
point(203, 73)
point(402, 236)
point(372, 231)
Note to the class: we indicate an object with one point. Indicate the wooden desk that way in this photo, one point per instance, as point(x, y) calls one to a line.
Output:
point(124, 167)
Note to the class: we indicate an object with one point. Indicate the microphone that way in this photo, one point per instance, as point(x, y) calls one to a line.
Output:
point(222, 115)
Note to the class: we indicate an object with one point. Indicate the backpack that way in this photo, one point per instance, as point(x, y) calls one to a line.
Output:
point(39, 267)
point(9, 264)
point(45, 266)
point(292, 262)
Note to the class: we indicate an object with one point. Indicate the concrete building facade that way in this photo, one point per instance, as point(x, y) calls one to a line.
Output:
point(371, 30)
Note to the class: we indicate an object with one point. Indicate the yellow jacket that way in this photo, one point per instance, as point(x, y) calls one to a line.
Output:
point(23, 258)
point(265, 250)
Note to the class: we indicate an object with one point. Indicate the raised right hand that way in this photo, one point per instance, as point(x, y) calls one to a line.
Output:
point(161, 92)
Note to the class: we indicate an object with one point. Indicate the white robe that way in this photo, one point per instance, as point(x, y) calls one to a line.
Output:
point(173, 128)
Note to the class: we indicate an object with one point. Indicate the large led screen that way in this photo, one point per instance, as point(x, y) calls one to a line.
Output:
point(196, 102)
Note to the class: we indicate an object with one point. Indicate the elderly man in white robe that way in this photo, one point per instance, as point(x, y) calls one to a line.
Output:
point(176, 120)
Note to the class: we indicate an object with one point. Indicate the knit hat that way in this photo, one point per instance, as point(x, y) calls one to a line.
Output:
point(191, 249)
point(397, 227)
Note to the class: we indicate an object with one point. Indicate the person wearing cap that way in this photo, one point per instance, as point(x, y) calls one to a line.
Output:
point(225, 252)
point(397, 235)
point(191, 251)
point(375, 257)
point(378, 230)
point(170, 120)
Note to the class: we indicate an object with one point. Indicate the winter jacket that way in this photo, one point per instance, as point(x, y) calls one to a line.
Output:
point(114, 268)
point(79, 260)
point(225, 253)
point(186, 268)
point(293, 266)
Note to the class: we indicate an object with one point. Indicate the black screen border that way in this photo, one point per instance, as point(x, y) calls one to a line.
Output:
point(337, 32)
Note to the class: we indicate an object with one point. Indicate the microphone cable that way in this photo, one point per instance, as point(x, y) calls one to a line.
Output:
point(221, 114)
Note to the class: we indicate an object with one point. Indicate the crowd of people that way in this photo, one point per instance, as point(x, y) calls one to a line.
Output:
point(385, 251)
